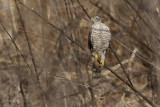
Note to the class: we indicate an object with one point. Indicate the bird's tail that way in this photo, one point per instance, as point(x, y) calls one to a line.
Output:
point(96, 68)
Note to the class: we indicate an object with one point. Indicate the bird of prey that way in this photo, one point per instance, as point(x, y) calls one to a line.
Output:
point(98, 40)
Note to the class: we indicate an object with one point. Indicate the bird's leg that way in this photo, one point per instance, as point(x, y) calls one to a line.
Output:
point(101, 61)
point(96, 57)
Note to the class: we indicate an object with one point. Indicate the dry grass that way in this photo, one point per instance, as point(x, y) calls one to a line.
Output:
point(44, 57)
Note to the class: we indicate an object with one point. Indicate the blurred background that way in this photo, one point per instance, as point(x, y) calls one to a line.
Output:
point(45, 60)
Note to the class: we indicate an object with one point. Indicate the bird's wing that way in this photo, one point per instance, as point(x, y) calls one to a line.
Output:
point(90, 46)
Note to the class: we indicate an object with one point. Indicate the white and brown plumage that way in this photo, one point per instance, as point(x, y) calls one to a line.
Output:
point(99, 40)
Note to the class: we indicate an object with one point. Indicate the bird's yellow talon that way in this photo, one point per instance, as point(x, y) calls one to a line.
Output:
point(96, 58)
point(101, 63)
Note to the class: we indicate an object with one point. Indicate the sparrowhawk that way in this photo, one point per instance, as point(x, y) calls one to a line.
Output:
point(98, 40)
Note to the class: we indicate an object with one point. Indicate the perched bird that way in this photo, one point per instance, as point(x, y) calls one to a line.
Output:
point(98, 40)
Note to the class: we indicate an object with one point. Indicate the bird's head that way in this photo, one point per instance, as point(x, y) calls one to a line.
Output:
point(95, 19)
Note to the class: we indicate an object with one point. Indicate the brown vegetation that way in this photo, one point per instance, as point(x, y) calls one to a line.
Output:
point(45, 60)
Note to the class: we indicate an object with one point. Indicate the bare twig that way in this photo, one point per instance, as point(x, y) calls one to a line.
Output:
point(26, 36)
point(16, 46)
point(84, 9)
point(139, 93)
point(124, 71)
point(121, 25)
point(22, 93)
point(134, 89)
point(52, 25)
point(150, 27)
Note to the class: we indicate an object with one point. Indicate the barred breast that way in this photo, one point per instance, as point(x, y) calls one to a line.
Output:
point(100, 37)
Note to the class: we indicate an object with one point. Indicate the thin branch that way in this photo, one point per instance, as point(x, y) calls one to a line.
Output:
point(53, 26)
point(121, 25)
point(134, 89)
point(150, 27)
point(84, 9)
point(124, 71)
point(77, 12)
point(120, 78)
point(137, 54)
point(26, 36)
point(88, 86)
point(16, 46)
point(22, 93)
